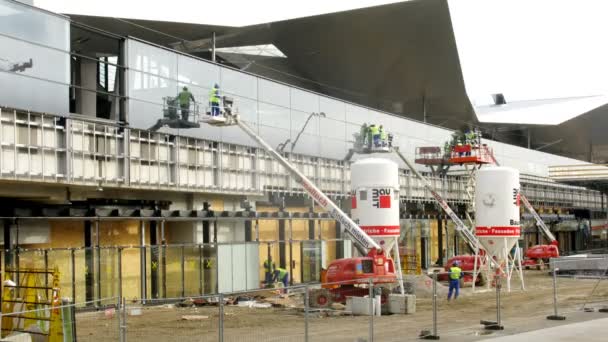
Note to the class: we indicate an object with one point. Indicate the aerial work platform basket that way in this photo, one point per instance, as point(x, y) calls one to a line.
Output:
point(430, 155)
point(472, 154)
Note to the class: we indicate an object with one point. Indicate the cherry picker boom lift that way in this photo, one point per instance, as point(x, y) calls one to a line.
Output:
point(346, 276)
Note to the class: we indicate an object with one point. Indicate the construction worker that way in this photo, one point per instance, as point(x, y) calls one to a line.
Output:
point(459, 144)
point(214, 100)
point(184, 102)
point(370, 136)
point(455, 275)
point(375, 133)
point(269, 268)
point(363, 134)
point(281, 274)
point(382, 136)
point(447, 149)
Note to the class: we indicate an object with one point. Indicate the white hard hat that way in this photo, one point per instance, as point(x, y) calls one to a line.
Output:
point(9, 282)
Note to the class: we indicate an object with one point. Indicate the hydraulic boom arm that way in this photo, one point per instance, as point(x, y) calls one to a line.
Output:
point(460, 226)
point(539, 221)
point(359, 237)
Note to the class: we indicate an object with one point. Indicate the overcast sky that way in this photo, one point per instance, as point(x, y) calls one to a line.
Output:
point(222, 12)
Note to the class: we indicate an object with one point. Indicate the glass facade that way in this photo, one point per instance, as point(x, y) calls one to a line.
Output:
point(34, 58)
point(281, 114)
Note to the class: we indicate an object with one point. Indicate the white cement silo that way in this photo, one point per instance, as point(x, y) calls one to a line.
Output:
point(375, 199)
point(497, 223)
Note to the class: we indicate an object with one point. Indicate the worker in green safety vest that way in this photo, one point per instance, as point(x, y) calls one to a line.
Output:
point(281, 274)
point(184, 98)
point(382, 136)
point(269, 268)
point(375, 134)
point(214, 100)
point(455, 275)
point(447, 149)
point(363, 134)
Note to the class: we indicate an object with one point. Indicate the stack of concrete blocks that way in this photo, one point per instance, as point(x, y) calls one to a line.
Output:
point(397, 304)
point(360, 306)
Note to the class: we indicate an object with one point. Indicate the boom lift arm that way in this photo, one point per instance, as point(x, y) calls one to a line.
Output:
point(464, 231)
point(539, 221)
point(364, 243)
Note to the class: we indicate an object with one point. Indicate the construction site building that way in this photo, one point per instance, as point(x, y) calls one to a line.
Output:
point(122, 209)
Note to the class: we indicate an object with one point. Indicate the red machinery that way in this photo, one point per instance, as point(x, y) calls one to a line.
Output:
point(467, 265)
point(353, 274)
point(344, 277)
point(538, 256)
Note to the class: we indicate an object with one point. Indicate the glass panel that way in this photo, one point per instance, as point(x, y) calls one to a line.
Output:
point(21, 64)
point(274, 116)
point(304, 101)
point(192, 266)
point(333, 129)
point(307, 144)
point(238, 83)
point(274, 93)
point(331, 148)
point(209, 269)
point(36, 26)
point(197, 73)
point(332, 108)
point(311, 261)
point(131, 266)
point(173, 271)
point(61, 260)
point(304, 121)
point(357, 115)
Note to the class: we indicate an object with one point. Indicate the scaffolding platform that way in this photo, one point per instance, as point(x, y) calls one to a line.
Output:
point(468, 154)
point(430, 155)
point(216, 120)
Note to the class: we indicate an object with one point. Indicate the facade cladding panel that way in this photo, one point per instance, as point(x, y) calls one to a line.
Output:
point(279, 112)
point(34, 58)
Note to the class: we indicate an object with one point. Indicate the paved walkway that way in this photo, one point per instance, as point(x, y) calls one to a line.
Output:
point(589, 331)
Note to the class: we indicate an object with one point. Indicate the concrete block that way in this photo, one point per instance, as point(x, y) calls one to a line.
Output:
point(360, 306)
point(401, 304)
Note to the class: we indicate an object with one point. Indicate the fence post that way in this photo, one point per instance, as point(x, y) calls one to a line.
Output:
point(371, 310)
point(221, 318)
point(123, 325)
point(306, 300)
point(73, 262)
point(433, 336)
point(555, 316)
point(119, 262)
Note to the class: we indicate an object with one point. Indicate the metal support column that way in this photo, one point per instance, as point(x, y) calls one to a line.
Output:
point(98, 264)
point(143, 263)
point(213, 59)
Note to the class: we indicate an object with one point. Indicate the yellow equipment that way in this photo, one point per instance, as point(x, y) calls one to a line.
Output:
point(26, 306)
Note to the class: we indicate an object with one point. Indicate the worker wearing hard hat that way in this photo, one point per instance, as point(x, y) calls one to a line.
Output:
point(281, 274)
point(363, 134)
point(447, 149)
point(184, 98)
point(214, 100)
point(375, 133)
point(383, 136)
point(455, 275)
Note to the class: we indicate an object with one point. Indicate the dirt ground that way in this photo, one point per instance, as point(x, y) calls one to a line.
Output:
point(457, 320)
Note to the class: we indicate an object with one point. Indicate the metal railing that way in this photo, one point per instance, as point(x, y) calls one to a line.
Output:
point(48, 148)
point(373, 311)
